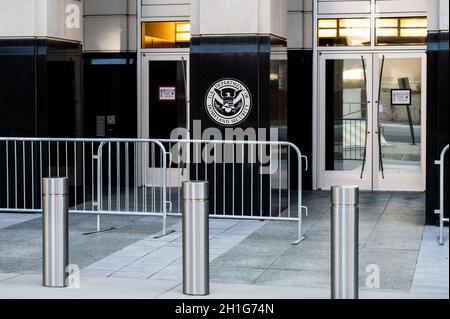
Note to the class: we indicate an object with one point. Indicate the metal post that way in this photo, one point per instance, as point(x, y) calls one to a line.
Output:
point(196, 238)
point(344, 242)
point(55, 211)
point(440, 211)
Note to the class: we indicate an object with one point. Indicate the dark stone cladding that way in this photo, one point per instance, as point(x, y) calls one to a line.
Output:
point(300, 107)
point(40, 96)
point(247, 59)
point(438, 134)
point(38, 77)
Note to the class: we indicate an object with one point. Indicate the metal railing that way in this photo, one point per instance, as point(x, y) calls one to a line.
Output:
point(440, 211)
point(353, 134)
point(97, 183)
point(132, 178)
point(25, 161)
point(250, 180)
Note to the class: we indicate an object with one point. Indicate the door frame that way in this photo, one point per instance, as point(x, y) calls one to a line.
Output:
point(325, 179)
point(175, 176)
point(160, 55)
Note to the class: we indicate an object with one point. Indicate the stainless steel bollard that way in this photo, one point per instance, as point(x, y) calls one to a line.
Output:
point(55, 212)
point(196, 238)
point(344, 242)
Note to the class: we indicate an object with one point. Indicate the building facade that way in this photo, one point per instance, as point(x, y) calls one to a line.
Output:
point(359, 86)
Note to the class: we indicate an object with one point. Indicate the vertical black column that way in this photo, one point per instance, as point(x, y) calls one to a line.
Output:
point(39, 96)
point(300, 108)
point(231, 88)
point(438, 133)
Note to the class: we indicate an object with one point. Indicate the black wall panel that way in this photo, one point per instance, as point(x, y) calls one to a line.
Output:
point(438, 119)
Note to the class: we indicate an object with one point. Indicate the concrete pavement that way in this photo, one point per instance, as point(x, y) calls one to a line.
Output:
point(249, 259)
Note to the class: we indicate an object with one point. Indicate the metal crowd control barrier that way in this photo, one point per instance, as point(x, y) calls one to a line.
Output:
point(440, 211)
point(249, 180)
point(196, 238)
point(135, 174)
point(55, 252)
point(115, 184)
point(25, 161)
point(344, 242)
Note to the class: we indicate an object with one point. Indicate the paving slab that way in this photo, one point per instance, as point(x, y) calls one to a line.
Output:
point(29, 286)
point(396, 267)
point(229, 274)
point(295, 278)
point(8, 220)
point(229, 260)
point(432, 270)
point(304, 257)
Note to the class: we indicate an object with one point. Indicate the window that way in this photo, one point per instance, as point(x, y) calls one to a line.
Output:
point(401, 31)
point(344, 32)
point(166, 34)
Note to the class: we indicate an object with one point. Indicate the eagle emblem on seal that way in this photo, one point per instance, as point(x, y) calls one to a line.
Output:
point(228, 102)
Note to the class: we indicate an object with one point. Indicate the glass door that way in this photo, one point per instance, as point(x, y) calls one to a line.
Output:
point(165, 107)
point(345, 101)
point(372, 120)
point(400, 119)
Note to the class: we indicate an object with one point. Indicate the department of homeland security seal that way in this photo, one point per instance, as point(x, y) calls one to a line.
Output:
point(228, 102)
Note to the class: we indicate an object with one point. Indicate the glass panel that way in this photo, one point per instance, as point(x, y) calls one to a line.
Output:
point(167, 97)
point(327, 23)
point(401, 31)
point(344, 32)
point(413, 23)
point(346, 114)
point(387, 23)
point(400, 125)
point(278, 96)
point(354, 23)
point(166, 34)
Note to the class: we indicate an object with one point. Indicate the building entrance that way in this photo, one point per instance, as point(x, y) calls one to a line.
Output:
point(165, 104)
point(372, 110)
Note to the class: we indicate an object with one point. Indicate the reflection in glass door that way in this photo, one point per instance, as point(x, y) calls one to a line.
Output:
point(400, 117)
point(346, 116)
point(372, 117)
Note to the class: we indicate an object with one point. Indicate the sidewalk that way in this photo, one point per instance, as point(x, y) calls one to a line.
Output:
point(249, 259)
point(29, 286)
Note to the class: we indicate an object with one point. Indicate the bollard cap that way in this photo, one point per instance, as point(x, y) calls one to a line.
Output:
point(55, 186)
point(196, 190)
point(345, 195)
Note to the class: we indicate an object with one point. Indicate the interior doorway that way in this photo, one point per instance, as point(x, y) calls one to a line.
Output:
point(165, 106)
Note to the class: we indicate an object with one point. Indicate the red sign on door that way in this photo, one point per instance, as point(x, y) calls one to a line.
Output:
point(167, 93)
